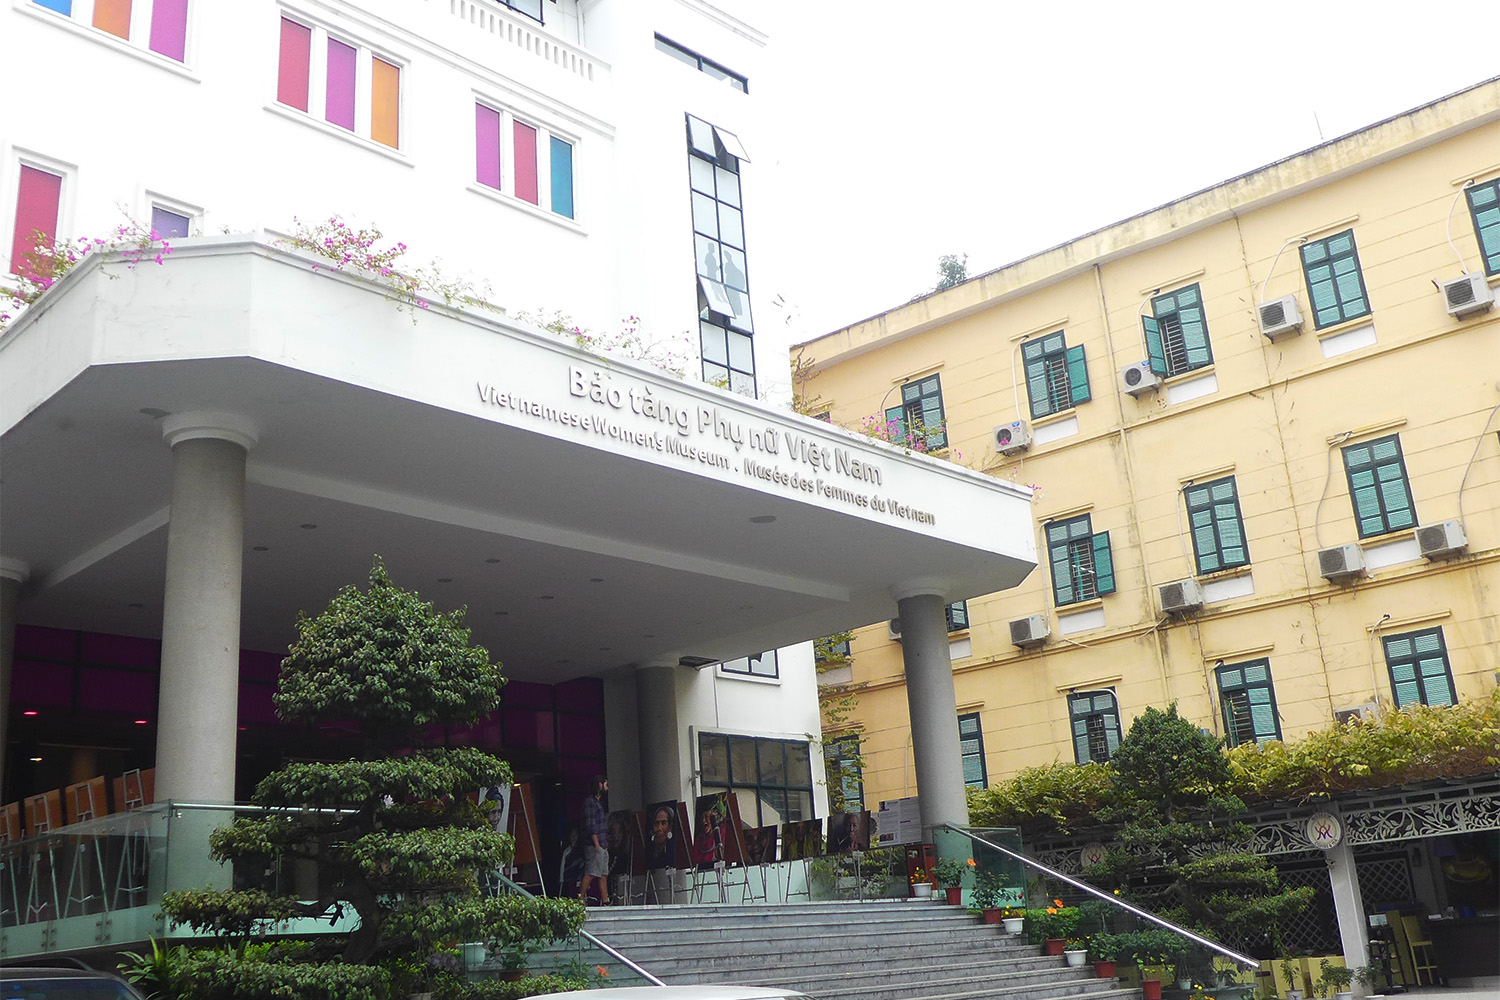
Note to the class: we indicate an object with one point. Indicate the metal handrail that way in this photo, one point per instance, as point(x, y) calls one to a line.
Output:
point(607, 949)
point(1085, 887)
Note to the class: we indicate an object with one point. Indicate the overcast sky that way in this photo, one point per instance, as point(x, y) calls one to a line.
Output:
point(909, 130)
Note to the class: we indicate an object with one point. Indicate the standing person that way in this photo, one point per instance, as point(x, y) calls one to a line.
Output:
point(595, 832)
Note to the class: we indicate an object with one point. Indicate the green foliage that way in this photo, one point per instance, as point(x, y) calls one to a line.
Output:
point(155, 974)
point(229, 912)
point(1167, 761)
point(498, 989)
point(1060, 797)
point(388, 659)
point(1047, 923)
point(1334, 978)
point(226, 974)
point(497, 920)
point(1154, 946)
point(987, 888)
point(426, 774)
point(950, 871)
point(442, 856)
point(1106, 947)
point(953, 269)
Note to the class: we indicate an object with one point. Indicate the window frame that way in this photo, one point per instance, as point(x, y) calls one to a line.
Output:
point(1085, 755)
point(841, 768)
point(1386, 525)
point(913, 412)
point(366, 113)
point(1043, 360)
point(1168, 306)
point(1216, 524)
point(732, 668)
point(1245, 685)
point(1414, 660)
point(546, 138)
point(1330, 261)
point(726, 322)
point(1082, 559)
point(716, 70)
point(957, 615)
point(975, 753)
point(761, 744)
point(141, 30)
point(1487, 232)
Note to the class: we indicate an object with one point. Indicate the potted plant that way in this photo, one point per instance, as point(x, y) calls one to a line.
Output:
point(921, 883)
point(1152, 950)
point(1292, 973)
point(1052, 926)
point(1335, 980)
point(1075, 949)
point(1013, 918)
point(1105, 949)
point(1370, 977)
point(950, 875)
point(987, 888)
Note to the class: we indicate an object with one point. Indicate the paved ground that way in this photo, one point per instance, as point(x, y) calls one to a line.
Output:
point(1484, 989)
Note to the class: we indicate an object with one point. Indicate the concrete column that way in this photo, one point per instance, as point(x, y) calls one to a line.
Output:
point(200, 651)
point(1348, 904)
point(13, 573)
point(656, 705)
point(934, 713)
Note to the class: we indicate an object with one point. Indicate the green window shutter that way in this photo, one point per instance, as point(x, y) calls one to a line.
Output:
point(1078, 375)
point(896, 415)
point(1104, 566)
point(1156, 355)
point(1036, 388)
point(1484, 209)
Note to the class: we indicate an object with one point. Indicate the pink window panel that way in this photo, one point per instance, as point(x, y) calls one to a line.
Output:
point(169, 28)
point(487, 146)
point(37, 202)
point(296, 58)
point(341, 72)
point(525, 137)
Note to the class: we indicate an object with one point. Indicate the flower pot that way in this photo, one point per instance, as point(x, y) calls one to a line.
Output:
point(1343, 995)
point(1104, 969)
point(1150, 989)
point(992, 916)
point(1184, 984)
point(1075, 957)
point(1293, 995)
point(955, 895)
point(921, 890)
point(1013, 925)
point(1053, 946)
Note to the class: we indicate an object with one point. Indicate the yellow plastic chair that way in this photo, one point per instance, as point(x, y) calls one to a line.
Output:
point(1419, 946)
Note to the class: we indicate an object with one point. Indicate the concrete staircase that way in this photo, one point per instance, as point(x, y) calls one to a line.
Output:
point(879, 950)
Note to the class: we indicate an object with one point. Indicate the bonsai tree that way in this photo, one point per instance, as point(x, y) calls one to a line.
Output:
point(398, 844)
point(1180, 854)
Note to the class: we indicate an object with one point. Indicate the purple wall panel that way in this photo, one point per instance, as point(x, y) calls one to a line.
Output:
point(583, 694)
point(520, 694)
point(40, 685)
point(45, 643)
point(580, 734)
point(101, 689)
point(255, 705)
point(120, 650)
point(255, 666)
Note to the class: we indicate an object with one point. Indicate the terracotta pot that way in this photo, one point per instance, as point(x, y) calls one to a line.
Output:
point(1150, 989)
point(955, 895)
point(992, 916)
point(1054, 946)
point(1103, 969)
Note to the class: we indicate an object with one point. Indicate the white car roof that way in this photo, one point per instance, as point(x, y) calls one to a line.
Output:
point(706, 992)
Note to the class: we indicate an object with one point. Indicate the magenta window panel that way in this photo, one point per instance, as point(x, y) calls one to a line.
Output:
point(525, 137)
point(580, 734)
point(580, 767)
point(101, 689)
point(487, 146)
point(296, 60)
point(120, 650)
point(341, 72)
point(523, 694)
point(582, 694)
point(38, 199)
point(259, 666)
point(40, 685)
point(46, 643)
point(169, 28)
point(256, 708)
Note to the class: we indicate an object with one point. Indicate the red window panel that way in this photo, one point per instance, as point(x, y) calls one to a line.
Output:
point(296, 57)
point(38, 201)
point(525, 137)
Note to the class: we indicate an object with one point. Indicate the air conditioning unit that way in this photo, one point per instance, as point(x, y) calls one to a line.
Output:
point(1442, 541)
point(1280, 317)
point(1342, 562)
point(1012, 437)
point(1138, 378)
point(1343, 716)
point(1466, 295)
point(1030, 631)
point(1181, 597)
point(893, 629)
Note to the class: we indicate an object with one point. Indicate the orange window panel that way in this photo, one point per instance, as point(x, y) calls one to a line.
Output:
point(385, 103)
point(113, 16)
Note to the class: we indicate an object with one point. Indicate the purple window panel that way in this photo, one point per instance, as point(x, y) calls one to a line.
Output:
point(121, 691)
point(487, 146)
point(120, 650)
point(170, 225)
point(169, 28)
point(583, 694)
point(341, 72)
point(522, 694)
point(580, 734)
point(46, 643)
point(255, 708)
point(41, 685)
point(259, 666)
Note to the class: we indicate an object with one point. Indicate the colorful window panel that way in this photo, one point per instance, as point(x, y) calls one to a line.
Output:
point(1177, 333)
point(1248, 703)
point(1378, 487)
point(164, 34)
point(293, 73)
point(38, 203)
point(344, 64)
point(1334, 282)
point(1418, 662)
point(1081, 561)
point(971, 750)
point(167, 224)
point(1217, 529)
point(1094, 718)
point(1057, 376)
point(919, 420)
point(1484, 210)
point(523, 141)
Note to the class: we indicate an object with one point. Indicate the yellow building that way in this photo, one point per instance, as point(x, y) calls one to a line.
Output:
point(1261, 425)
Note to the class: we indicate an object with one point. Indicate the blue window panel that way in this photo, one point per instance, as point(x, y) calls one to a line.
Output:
point(1081, 562)
point(1095, 719)
point(1484, 209)
point(562, 177)
point(61, 6)
point(971, 749)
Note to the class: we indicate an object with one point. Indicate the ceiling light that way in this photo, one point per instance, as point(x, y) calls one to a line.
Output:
point(763, 519)
point(154, 413)
point(31, 711)
point(492, 561)
point(545, 597)
point(596, 579)
point(36, 760)
point(260, 548)
point(445, 579)
point(307, 527)
point(143, 722)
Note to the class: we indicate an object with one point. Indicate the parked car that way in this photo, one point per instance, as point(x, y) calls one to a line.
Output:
point(707, 992)
point(36, 983)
